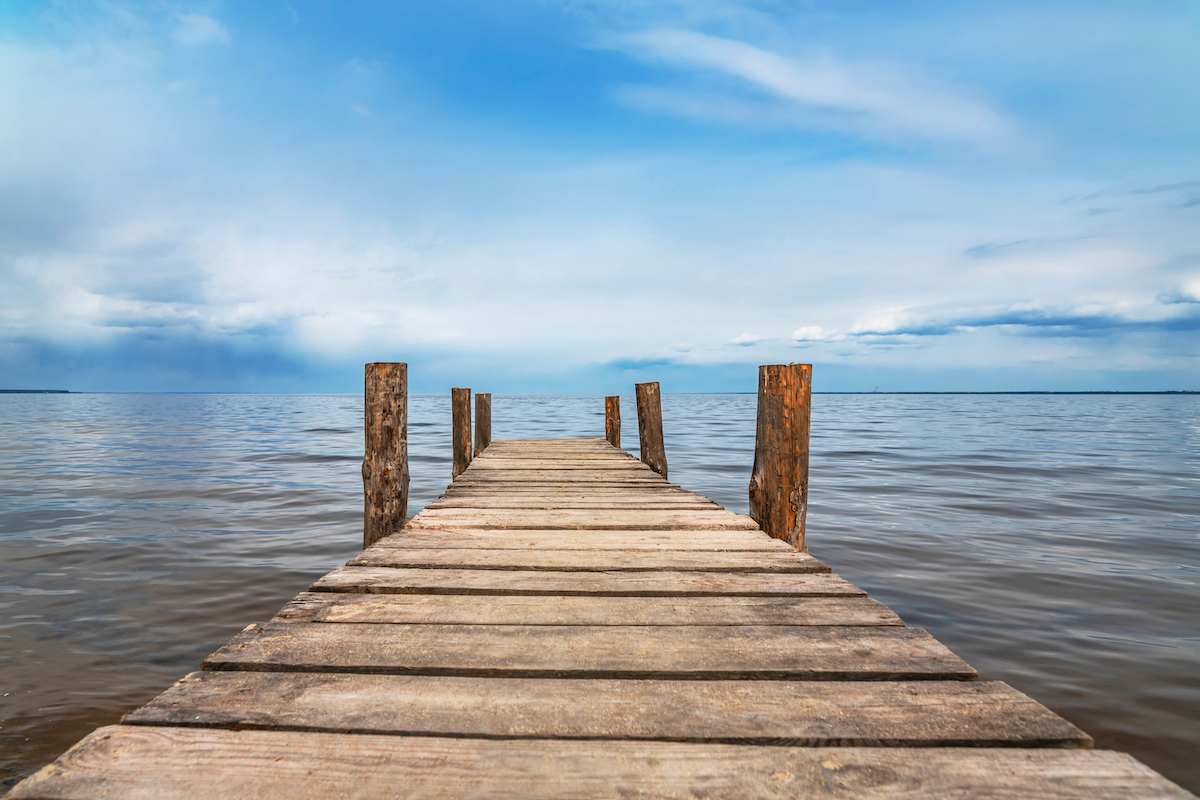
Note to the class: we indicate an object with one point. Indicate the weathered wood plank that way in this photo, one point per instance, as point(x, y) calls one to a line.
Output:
point(569, 518)
point(622, 477)
point(815, 714)
point(573, 651)
point(386, 580)
point(498, 489)
point(588, 560)
point(516, 502)
point(418, 609)
point(533, 494)
point(496, 462)
point(163, 763)
point(705, 541)
point(467, 488)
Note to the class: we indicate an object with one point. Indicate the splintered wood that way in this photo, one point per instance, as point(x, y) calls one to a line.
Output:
point(565, 623)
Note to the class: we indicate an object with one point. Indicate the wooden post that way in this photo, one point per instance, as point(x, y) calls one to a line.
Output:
point(385, 463)
point(483, 421)
point(612, 420)
point(779, 480)
point(650, 432)
point(460, 402)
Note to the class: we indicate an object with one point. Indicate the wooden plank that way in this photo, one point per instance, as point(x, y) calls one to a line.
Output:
point(625, 477)
point(815, 714)
point(569, 518)
point(530, 495)
point(559, 484)
point(563, 500)
point(164, 763)
point(467, 488)
point(702, 541)
point(589, 560)
point(419, 609)
point(709, 652)
point(495, 462)
point(386, 580)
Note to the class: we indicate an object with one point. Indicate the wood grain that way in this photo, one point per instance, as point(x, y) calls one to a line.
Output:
point(612, 420)
point(650, 430)
point(779, 478)
point(418, 609)
point(580, 519)
point(573, 651)
point(816, 714)
point(492, 539)
point(460, 425)
point(385, 459)
point(386, 580)
point(164, 763)
point(588, 560)
point(483, 422)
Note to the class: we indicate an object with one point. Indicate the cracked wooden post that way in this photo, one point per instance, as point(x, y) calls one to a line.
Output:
point(612, 420)
point(460, 402)
point(779, 480)
point(650, 432)
point(483, 421)
point(385, 463)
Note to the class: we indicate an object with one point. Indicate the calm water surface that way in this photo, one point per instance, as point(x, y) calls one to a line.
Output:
point(1051, 541)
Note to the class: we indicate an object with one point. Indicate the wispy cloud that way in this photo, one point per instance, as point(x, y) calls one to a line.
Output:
point(815, 333)
point(818, 92)
point(1168, 187)
point(1079, 321)
point(749, 339)
point(195, 30)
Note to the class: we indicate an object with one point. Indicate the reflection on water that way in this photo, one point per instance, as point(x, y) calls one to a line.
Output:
point(1051, 540)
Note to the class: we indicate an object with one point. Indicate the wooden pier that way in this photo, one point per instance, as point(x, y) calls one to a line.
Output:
point(565, 623)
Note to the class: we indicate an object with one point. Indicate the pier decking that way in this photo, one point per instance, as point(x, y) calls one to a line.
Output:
point(566, 623)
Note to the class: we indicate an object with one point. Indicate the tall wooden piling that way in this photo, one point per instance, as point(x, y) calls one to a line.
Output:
point(650, 432)
point(483, 421)
point(385, 462)
point(612, 420)
point(460, 403)
point(779, 480)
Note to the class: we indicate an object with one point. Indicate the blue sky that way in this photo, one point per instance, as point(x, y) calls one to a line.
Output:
point(573, 196)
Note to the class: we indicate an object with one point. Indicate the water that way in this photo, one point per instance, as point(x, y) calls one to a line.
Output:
point(1051, 541)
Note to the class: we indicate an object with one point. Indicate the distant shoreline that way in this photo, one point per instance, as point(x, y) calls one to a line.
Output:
point(35, 391)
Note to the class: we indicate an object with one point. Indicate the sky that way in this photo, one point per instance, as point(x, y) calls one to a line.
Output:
point(573, 196)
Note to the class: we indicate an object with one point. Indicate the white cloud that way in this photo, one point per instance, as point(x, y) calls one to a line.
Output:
point(815, 333)
point(819, 92)
point(748, 339)
point(194, 30)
